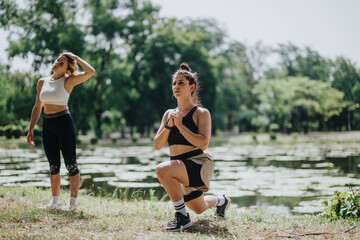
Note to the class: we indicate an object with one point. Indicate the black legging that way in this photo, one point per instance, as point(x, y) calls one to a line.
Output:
point(59, 133)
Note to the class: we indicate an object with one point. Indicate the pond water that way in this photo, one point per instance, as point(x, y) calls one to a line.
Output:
point(283, 179)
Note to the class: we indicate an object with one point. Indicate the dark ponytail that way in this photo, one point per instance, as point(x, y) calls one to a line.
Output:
point(186, 71)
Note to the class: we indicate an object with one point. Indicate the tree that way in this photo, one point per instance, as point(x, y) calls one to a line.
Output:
point(346, 79)
point(241, 68)
point(43, 28)
point(276, 100)
point(288, 54)
point(312, 65)
point(104, 40)
point(327, 101)
point(236, 81)
point(18, 91)
point(46, 28)
point(161, 55)
point(5, 91)
point(303, 62)
point(299, 101)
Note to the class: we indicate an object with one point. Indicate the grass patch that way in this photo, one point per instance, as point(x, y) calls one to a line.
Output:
point(106, 218)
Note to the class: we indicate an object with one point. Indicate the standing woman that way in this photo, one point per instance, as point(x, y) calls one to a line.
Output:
point(59, 131)
point(187, 129)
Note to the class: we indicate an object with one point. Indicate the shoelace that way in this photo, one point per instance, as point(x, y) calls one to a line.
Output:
point(174, 221)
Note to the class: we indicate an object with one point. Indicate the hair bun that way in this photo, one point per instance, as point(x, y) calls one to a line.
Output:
point(185, 66)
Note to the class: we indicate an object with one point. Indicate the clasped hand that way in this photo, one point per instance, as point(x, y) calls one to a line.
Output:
point(175, 119)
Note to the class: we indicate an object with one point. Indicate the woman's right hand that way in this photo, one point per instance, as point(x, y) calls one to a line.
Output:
point(170, 121)
point(30, 138)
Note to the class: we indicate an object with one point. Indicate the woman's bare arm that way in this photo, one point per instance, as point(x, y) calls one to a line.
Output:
point(81, 77)
point(35, 114)
point(162, 134)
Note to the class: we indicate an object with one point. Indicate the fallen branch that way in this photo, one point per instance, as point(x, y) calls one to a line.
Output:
point(312, 234)
point(305, 234)
point(350, 229)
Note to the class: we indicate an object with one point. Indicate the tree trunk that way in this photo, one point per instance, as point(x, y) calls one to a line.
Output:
point(123, 133)
point(229, 122)
point(324, 123)
point(98, 108)
point(98, 131)
point(348, 118)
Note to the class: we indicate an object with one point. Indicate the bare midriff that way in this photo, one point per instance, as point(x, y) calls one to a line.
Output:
point(52, 108)
point(178, 149)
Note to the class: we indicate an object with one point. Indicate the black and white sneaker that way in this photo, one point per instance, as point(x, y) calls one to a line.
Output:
point(180, 222)
point(220, 210)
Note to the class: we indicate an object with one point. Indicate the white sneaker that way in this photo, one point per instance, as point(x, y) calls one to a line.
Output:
point(71, 208)
point(220, 210)
point(51, 206)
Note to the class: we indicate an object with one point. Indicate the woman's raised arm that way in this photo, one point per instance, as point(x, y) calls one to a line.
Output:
point(81, 77)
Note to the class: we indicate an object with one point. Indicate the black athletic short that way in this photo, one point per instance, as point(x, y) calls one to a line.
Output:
point(193, 170)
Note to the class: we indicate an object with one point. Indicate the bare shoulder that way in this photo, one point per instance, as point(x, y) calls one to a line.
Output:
point(203, 111)
point(41, 81)
point(201, 114)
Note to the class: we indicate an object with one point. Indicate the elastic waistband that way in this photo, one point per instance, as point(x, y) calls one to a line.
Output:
point(58, 114)
point(187, 155)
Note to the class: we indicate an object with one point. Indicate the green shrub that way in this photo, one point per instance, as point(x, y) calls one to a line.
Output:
point(254, 137)
point(23, 126)
point(274, 127)
point(37, 140)
point(8, 131)
point(134, 139)
point(289, 128)
point(16, 132)
point(1, 131)
point(37, 131)
point(94, 140)
point(272, 136)
point(294, 137)
point(343, 205)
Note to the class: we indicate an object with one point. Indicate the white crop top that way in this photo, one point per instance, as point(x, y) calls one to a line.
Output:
point(53, 92)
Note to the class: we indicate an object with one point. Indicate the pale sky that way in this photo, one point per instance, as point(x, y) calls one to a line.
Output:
point(331, 27)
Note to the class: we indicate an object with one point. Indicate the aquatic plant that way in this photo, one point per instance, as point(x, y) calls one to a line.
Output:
point(343, 205)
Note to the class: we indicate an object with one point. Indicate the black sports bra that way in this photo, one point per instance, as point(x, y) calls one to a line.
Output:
point(175, 137)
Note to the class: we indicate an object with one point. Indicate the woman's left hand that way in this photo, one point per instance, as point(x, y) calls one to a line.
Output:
point(178, 117)
point(70, 55)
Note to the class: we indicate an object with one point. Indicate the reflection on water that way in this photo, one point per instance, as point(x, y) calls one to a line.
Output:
point(280, 179)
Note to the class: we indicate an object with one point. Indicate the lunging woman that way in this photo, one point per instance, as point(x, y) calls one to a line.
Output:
point(187, 129)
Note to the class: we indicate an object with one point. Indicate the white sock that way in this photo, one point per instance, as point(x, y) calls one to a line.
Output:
point(55, 200)
point(180, 207)
point(220, 200)
point(72, 201)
